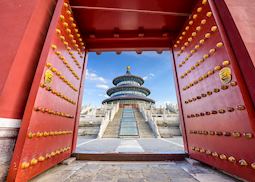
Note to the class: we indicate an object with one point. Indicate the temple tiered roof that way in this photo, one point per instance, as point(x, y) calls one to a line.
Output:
point(128, 87)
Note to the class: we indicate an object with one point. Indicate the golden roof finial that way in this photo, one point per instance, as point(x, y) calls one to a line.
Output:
point(128, 69)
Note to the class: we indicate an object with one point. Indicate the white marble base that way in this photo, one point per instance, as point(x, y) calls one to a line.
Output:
point(8, 138)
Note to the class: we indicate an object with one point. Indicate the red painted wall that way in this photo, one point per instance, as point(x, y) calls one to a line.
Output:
point(134, 106)
point(243, 13)
point(24, 24)
point(238, 24)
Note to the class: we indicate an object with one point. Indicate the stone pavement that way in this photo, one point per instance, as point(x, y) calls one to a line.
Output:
point(98, 171)
point(147, 145)
point(84, 171)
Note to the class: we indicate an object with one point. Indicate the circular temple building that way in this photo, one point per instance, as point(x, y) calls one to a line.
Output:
point(128, 90)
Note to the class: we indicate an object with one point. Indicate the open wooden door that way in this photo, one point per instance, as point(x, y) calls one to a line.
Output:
point(49, 126)
point(216, 99)
point(217, 109)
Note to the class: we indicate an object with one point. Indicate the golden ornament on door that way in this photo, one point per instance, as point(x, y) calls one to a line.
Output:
point(225, 75)
point(48, 77)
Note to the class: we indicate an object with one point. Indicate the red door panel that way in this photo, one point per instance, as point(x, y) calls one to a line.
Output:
point(217, 111)
point(49, 123)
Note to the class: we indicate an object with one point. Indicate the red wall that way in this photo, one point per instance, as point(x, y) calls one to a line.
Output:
point(243, 13)
point(24, 24)
point(135, 106)
point(238, 24)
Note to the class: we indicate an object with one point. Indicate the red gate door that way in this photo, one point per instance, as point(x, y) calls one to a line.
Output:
point(217, 111)
point(49, 124)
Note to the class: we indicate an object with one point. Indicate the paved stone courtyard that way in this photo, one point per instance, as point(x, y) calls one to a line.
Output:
point(139, 145)
point(97, 171)
point(84, 171)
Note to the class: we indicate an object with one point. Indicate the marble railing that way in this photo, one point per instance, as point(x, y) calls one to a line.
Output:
point(110, 113)
point(148, 118)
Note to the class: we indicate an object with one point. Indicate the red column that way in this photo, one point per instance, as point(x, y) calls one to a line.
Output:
point(24, 25)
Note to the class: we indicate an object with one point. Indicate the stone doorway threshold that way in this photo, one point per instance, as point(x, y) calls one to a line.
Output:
point(130, 156)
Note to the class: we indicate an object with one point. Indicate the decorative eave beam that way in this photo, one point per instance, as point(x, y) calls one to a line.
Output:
point(129, 42)
point(132, 10)
point(129, 35)
point(139, 46)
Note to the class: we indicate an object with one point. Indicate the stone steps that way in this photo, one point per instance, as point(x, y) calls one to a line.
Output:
point(143, 127)
point(144, 130)
point(112, 130)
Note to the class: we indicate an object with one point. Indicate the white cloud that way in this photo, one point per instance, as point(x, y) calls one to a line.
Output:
point(149, 76)
point(94, 77)
point(103, 95)
point(102, 86)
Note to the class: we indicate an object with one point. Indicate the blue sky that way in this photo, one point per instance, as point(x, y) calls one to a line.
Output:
point(155, 68)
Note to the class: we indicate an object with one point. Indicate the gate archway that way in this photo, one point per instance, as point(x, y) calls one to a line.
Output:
point(214, 93)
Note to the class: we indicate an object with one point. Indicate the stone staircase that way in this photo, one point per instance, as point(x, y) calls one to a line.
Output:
point(143, 127)
point(144, 130)
point(112, 130)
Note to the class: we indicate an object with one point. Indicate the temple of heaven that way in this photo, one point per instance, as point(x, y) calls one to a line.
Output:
point(128, 90)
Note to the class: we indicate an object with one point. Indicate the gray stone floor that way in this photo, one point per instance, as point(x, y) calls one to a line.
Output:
point(84, 171)
point(147, 145)
point(96, 171)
